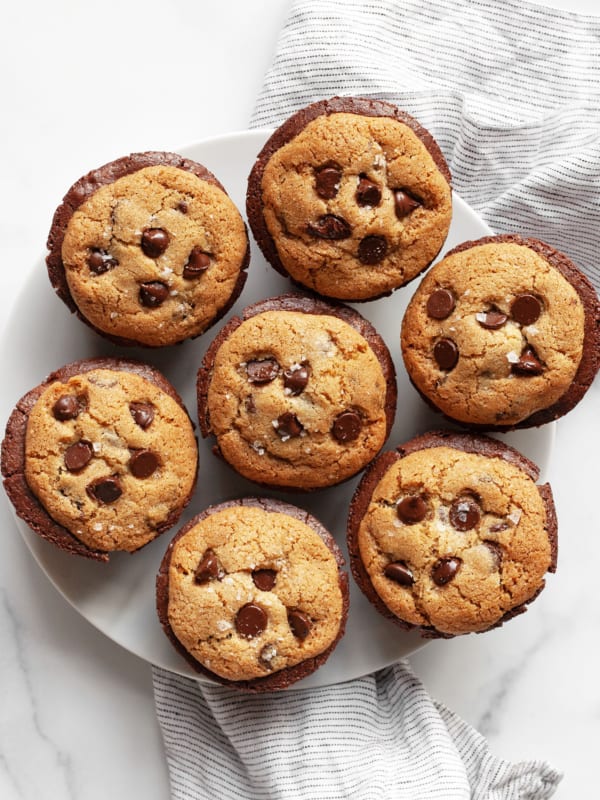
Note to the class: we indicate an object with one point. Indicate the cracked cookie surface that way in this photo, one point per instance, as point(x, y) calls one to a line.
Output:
point(152, 256)
point(452, 535)
point(252, 589)
point(111, 457)
point(299, 394)
point(502, 332)
point(350, 198)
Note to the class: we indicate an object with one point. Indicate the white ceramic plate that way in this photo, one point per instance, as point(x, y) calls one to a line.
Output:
point(118, 598)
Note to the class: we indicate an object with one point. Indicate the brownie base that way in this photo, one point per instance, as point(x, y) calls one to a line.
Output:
point(284, 678)
point(26, 504)
point(83, 189)
point(305, 303)
point(468, 443)
point(291, 128)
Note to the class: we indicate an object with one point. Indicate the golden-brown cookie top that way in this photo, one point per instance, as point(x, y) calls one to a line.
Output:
point(354, 204)
point(454, 541)
point(252, 591)
point(153, 256)
point(297, 399)
point(495, 333)
point(111, 457)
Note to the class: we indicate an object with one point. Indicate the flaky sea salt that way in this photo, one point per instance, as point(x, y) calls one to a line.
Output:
point(223, 625)
point(514, 516)
point(512, 357)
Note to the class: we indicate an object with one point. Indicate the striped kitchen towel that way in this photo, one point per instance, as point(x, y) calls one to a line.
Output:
point(511, 92)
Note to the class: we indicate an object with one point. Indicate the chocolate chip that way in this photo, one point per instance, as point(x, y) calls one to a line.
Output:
point(288, 426)
point(445, 570)
point(346, 426)
point(78, 455)
point(404, 203)
point(142, 413)
point(154, 242)
point(412, 509)
point(525, 309)
point(299, 623)
point(329, 227)
point(498, 527)
point(372, 249)
point(440, 304)
point(100, 261)
point(153, 293)
point(464, 514)
point(66, 407)
point(327, 181)
point(208, 569)
point(264, 579)
point(250, 404)
point(400, 573)
point(197, 263)
point(105, 490)
point(262, 371)
point(182, 206)
point(367, 192)
point(492, 319)
point(445, 353)
point(295, 379)
point(496, 551)
point(528, 363)
point(143, 463)
point(251, 620)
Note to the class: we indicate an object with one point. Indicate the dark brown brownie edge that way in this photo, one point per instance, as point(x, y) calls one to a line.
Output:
point(285, 677)
point(291, 128)
point(84, 188)
point(468, 443)
point(307, 304)
point(590, 361)
point(26, 504)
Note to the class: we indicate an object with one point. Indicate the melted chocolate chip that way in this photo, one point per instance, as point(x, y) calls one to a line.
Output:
point(295, 379)
point(445, 353)
point(143, 463)
point(492, 319)
point(346, 426)
point(372, 249)
point(78, 455)
point(208, 569)
point(525, 309)
point(66, 407)
point(400, 573)
point(464, 514)
point(367, 192)
point(329, 227)
point(182, 206)
point(299, 623)
point(105, 490)
point(496, 551)
point(412, 509)
point(264, 579)
point(154, 242)
point(404, 203)
point(142, 413)
point(251, 620)
point(528, 364)
point(197, 263)
point(440, 304)
point(262, 371)
point(327, 181)
point(100, 261)
point(288, 425)
point(445, 570)
point(153, 293)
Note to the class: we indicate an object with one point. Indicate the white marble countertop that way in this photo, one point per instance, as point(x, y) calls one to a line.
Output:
point(77, 716)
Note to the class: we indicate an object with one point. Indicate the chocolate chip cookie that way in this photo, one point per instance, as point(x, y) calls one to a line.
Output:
point(100, 457)
point(252, 593)
point(148, 249)
point(450, 534)
point(503, 333)
point(299, 393)
point(351, 198)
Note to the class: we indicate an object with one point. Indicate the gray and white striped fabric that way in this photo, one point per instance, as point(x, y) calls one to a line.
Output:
point(511, 91)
